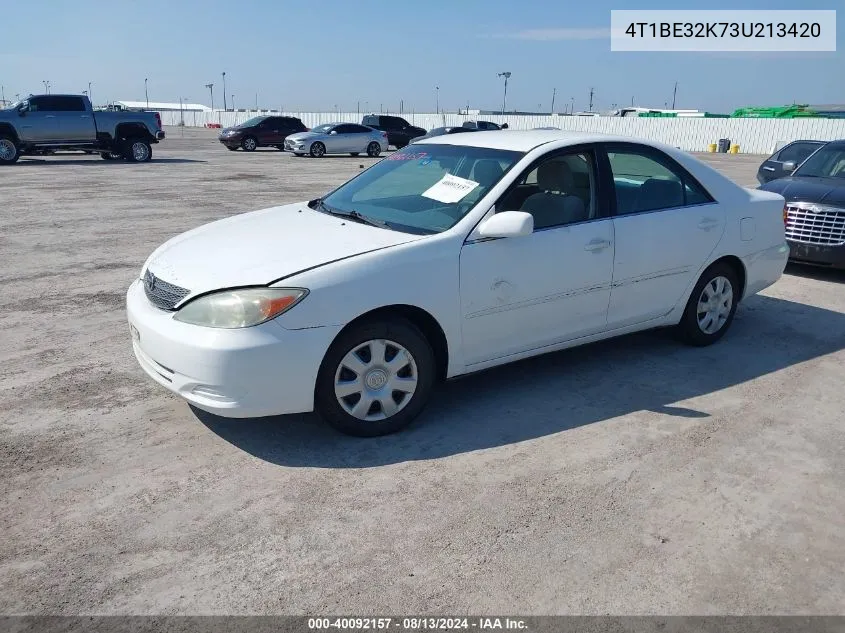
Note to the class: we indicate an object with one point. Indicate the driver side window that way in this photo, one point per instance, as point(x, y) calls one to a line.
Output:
point(560, 190)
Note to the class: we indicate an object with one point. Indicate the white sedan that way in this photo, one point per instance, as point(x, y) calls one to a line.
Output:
point(448, 257)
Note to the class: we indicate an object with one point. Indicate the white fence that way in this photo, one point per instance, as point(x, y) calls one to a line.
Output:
point(756, 136)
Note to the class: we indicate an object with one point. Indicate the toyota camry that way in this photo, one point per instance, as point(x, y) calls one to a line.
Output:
point(448, 257)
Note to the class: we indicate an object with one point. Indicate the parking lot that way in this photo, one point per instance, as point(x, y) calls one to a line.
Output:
point(635, 476)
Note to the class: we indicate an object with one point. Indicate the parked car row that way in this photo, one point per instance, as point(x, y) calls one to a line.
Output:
point(372, 136)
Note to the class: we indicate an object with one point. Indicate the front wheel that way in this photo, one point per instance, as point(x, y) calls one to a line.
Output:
point(373, 149)
point(318, 150)
point(249, 144)
point(137, 150)
point(375, 378)
point(711, 306)
point(9, 152)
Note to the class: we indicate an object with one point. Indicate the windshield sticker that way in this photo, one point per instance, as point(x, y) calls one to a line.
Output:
point(408, 156)
point(449, 189)
point(426, 160)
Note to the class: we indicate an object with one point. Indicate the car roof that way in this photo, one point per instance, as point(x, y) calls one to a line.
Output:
point(526, 140)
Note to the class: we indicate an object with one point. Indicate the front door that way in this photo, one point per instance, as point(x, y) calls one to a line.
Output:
point(524, 293)
point(665, 225)
point(38, 122)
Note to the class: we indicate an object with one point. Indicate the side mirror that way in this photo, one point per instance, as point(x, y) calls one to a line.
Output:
point(333, 132)
point(789, 166)
point(507, 224)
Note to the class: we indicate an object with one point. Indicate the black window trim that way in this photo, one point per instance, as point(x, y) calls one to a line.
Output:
point(602, 201)
point(809, 141)
point(660, 157)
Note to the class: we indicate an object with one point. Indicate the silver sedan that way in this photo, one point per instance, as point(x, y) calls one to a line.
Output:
point(337, 138)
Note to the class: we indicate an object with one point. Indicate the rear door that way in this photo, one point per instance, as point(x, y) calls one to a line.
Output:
point(665, 226)
point(75, 122)
point(357, 137)
point(796, 152)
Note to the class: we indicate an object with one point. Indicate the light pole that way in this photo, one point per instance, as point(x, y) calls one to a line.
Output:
point(90, 94)
point(146, 93)
point(211, 90)
point(572, 107)
point(224, 93)
point(233, 102)
point(181, 113)
point(46, 86)
point(506, 75)
point(674, 94)
point(3, 94)
point(554, 92)
point(437, 99)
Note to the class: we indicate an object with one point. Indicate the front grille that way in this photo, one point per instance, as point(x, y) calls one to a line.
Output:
point(289, 144)
point(162, 294)
point(810, 223)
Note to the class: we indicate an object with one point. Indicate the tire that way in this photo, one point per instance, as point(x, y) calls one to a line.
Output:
point(318, 150)
point(373, 149)
point(137, 150)
point(249, 144)
point(354, 153)
point(711, 306)
point(232, 149)
point(9, 151)
point(391, 339)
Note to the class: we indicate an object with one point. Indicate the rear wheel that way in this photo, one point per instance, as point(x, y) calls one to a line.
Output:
point(711, 306)
point(137, 150)
point(9, 152)
point(373, 149)
point(249, 144)
point(375, 378)
point(318, 150)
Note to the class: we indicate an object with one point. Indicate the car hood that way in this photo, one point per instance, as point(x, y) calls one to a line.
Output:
point(802, 189)
point(302, 136)
point(261, 247)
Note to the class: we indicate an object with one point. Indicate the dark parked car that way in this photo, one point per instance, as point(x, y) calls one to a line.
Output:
point(440, 131)
point(815, 207)
point(784, 161)
point(261, 131)
point(399, 131)
point(484, 125)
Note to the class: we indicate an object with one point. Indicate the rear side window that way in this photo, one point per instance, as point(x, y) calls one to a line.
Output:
point(67, 104)
point(370, 120)
point(797, 152)
point(647, 180)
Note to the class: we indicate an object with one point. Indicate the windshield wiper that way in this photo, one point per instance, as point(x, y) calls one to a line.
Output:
point(354, 215)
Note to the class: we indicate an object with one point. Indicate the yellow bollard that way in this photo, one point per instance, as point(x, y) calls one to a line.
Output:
point(711, 148)
point(734, 149)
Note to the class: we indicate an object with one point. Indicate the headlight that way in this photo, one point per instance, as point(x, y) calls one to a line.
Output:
point(240, 308)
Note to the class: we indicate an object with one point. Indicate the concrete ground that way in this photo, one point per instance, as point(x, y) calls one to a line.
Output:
point(636, 476)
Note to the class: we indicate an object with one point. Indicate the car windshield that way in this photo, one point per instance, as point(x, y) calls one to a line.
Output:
point(323, 129)
point(252, 122)
point(828, 162)
point(425, 188)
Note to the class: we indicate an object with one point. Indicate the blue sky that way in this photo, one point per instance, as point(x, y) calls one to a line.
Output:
point(318, 54)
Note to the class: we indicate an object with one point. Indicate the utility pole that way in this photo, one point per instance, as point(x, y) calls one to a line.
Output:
point(210, 90)
point(554, 92)
point(572, 107)
point(401, 106)
point(147, 94)
point(591, 100)
point(225, 109)
point(506, 75)
point(181, 113)
point(90, 94)
point(3, 94)
point(359, 107)
point(674, 94)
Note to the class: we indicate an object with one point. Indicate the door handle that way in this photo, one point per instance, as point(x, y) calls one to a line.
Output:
point(84, 116)
point(596, 245)
point(708, 223)
point(49, 116)
point(769, 168)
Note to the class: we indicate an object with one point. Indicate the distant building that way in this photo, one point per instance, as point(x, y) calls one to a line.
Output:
point(159, 106)
point(834, 111)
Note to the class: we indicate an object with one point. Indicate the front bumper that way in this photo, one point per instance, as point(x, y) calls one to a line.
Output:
point(819, 255)
point(239, 373)
point(230, 141)
point(296, 146)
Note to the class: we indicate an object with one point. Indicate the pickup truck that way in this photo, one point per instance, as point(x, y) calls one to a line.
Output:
point(399, 131)
point(43, 124)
